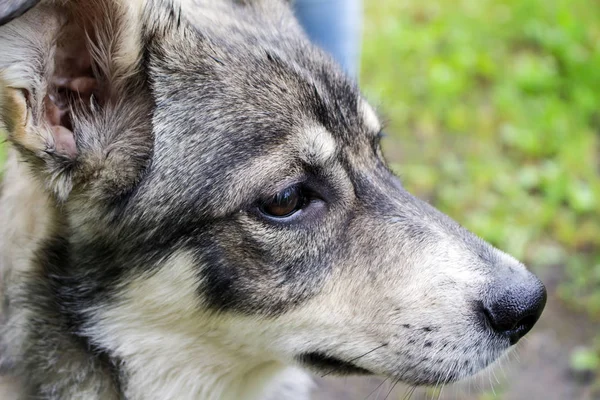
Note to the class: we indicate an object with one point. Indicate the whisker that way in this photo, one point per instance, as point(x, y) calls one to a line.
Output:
point(377, 387)
point(492, 370)
point(435, 387)
point(392, 389)
point(409, 393)
point(440, 392)
point(491, 384)
point(356, 358)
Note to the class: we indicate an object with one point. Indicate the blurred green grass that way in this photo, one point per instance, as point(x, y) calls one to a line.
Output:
point(494, 116)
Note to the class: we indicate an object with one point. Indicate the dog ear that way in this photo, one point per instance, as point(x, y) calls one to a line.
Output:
point(11, 9)
point(73, 97)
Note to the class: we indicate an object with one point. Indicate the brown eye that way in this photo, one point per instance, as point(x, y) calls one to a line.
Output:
point(284, 203)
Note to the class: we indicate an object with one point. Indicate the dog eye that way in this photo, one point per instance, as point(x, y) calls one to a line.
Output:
point(284, 203)
point(377, 143)
point(377, 139)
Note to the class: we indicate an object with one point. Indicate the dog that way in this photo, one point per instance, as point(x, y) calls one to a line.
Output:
point(195, 205)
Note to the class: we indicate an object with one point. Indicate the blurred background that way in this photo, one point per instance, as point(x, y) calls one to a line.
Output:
point(493, 111)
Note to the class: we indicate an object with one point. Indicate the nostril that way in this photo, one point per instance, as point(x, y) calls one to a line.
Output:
point(489, 318)
point(501, 323)
point(513, 311)
point(499, 320)
point(527, 323)
point(522, 328)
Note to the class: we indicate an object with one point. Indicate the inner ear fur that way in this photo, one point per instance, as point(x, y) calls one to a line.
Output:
point(73, 98)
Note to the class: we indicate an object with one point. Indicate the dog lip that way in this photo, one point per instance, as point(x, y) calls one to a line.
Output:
point(327, 364)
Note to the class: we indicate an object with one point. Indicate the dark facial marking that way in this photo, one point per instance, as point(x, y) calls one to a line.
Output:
point(328, 364)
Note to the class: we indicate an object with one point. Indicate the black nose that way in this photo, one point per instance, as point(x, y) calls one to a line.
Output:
point(514, 304)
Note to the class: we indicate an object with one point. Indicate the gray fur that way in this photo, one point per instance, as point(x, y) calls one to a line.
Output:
point(153, 228)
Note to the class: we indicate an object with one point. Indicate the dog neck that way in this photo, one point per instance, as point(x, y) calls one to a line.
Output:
point(170, 350)
point(199, 373)
point(192, 368)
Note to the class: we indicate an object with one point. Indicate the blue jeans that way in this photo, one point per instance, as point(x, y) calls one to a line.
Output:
point(335, 26)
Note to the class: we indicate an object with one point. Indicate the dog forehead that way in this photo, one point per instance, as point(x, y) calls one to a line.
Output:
point(227, 98)
point(255, 77)
point(314, 145)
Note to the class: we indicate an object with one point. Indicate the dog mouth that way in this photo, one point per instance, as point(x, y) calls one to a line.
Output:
point(326, 364)
point(423, 368)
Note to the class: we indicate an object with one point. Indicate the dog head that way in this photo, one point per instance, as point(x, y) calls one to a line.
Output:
point(220, 177)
